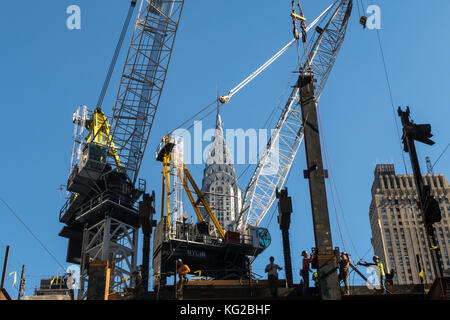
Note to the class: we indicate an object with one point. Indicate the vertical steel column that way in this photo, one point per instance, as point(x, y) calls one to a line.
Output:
point(83, 266)
point(5, 266)
point(284, 220)
point(433, 243)
point(106, 239)
point(22, 283)
point(146, 212)
point(427, 204)
point(329, 284)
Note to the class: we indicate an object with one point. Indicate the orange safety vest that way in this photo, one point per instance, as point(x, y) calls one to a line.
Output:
point(183, 269)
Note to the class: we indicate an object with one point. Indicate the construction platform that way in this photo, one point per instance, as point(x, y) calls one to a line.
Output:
point(259, 290)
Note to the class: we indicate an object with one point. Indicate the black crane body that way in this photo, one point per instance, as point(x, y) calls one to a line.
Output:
point(284, 219)
point(428, 205)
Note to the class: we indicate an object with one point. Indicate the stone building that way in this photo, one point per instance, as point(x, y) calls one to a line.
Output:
point(398, 234)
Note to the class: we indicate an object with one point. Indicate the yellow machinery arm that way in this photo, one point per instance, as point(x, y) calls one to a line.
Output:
point(201, 198)
point(189, 194)
point(99, 133)
point(165, 156)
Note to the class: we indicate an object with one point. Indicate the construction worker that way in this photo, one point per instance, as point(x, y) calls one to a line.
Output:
point(379, 264)
point(315, 278)
point(139, 289)
point(272, 276)
point(182, 271)
point(304, 272)
point(344, 264)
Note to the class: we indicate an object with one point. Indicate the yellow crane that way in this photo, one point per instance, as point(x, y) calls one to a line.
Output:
point(99, 133)
point(165, 155)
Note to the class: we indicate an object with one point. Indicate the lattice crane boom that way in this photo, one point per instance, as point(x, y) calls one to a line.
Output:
point(143, 80)
point(278, 157)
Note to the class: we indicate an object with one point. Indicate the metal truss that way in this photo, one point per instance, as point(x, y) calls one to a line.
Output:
point(114, 241)
point(273, 168)
point(275, 164)
point(143, 80)
point(327, 43)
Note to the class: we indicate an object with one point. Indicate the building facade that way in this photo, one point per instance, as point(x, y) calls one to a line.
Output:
point(219, 183)
point(398, 233)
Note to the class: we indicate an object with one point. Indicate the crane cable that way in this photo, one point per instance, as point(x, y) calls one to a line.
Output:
point(391, 99)
point(236, 89)
point(116, 54)
point(440, 155)
point(390, 93)
point(242, 84)
point(32, 233)
point(232, 92)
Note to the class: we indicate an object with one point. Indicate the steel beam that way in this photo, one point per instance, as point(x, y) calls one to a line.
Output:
point(422, 133)
point(114, 242)
point(5, 266)
point(329, 284)
point(284, 220)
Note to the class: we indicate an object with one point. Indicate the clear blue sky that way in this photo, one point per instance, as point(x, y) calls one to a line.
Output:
point(48, 70)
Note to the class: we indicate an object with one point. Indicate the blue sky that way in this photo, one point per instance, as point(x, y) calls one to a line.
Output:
point(48, 70)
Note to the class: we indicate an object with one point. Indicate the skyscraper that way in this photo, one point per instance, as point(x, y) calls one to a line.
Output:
point(219, 182)
point(398, 234)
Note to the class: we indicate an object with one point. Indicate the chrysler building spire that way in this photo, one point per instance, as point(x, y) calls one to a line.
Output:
point(219, 179)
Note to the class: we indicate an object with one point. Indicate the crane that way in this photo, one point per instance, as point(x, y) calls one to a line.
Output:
point(101, 215)
point(276, 161)
point(299, 122)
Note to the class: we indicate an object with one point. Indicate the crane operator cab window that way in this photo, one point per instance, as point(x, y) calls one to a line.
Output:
point(93, 160)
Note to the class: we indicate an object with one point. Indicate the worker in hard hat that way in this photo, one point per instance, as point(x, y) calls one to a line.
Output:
point(379, 264)
point(272, 276)
point(304, 272)
point(316, 280)
point(344, 264)
point(182, 270)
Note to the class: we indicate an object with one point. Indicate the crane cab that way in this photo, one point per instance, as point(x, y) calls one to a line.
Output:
point(258, 238)
point(165, 147)
point(91, 167)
